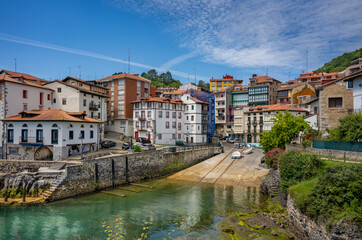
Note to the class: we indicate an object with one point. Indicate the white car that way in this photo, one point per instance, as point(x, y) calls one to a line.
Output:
point(236, 155)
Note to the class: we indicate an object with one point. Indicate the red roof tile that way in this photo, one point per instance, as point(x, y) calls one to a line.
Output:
point(275, 107)
point(126, 75)
point(51, 115)
point(6, 78)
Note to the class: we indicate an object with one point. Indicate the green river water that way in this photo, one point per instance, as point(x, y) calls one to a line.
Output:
point(200, 207)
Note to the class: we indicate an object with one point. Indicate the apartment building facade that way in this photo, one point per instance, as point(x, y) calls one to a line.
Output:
point(240, 98)
point(225, 82)
point(262, 90)
point(239, 122)
point(161, 120)
point(354, 82)
point(356, 66)
point(124, 89)
point(223, 108)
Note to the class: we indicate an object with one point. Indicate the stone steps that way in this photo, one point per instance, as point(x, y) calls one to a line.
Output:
point(47, 193)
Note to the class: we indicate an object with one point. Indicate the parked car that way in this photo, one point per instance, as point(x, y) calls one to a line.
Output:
point(231, 140)
point(143, 140)
point(125, 145)
point(108, 144)
point(148, 146)
point(181, 143)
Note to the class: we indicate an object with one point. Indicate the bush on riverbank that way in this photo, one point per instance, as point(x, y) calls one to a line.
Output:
point(272, 157)
point(333, 195)
point(296, 167)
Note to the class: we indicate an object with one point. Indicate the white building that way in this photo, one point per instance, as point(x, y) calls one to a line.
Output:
point(72, 98)
point(19, 95)
point(239, 122)
point(354, 81)
point(195, 118)
point(161, 120)
point(188, 86)
point(50, 135)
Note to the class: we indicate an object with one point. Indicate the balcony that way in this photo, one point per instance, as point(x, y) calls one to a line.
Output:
point(31, 141)
point(142, 119)
point(220, 106)
point(220, 115)
point(261, 122)
point(93, 107)
point(255, 122)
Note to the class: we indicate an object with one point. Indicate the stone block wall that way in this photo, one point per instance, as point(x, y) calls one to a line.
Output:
point(8, 166)
point(96, 174)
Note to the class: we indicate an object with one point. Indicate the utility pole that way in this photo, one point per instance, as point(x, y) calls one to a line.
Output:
point(15, 63)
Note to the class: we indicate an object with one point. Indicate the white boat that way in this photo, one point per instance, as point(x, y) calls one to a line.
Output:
point(236, 155)
point(248, 150)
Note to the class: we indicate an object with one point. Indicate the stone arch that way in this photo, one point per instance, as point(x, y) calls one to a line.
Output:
point(43, 153)
point(73, 150)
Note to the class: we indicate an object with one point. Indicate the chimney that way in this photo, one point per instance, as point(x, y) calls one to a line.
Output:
point(254, 75)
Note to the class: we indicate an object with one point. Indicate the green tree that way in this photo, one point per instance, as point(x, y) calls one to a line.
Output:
point(286, 127)
point(350, 129)
point(340, 63)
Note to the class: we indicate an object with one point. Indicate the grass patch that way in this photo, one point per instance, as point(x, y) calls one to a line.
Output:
point(301, 191)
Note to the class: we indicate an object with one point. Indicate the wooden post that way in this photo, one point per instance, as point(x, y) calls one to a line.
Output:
point(344, 156)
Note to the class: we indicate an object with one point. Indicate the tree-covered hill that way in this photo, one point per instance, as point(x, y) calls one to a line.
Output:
point(162, 80)
point(340, 63)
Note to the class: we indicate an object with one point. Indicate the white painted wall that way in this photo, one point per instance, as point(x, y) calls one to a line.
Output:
point(357, 94)
point(313, 121)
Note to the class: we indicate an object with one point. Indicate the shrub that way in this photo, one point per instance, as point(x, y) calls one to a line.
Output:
point(311, 136)
point(296, 167)
point(338, 191)
point(307, 143)
point(137, 148)
point(272, 157)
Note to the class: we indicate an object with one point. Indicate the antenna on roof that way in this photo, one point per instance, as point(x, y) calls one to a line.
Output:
point(15, 63)
point(80, 72)
point(129, 61)
point(306, 60)
point(195, 75)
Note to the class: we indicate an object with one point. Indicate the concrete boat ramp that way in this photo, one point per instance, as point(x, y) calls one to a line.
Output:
point(224, 170)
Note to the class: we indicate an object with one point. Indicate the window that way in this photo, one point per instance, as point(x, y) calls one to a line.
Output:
point(137, 124)
point(25, 94)
point(84, 102)
point(173, 136)
point(59, 89)
point(10, 135)
point(39, 126)
point(315, 109)
point(192, 117)
point(173, 114)
point(167, 114)
point(192, 107)
point(173, 124)
point(179, 126)
point(179, 136)
point(335, 102)
point(41, 98)
point(149, 114)
point(54, 136)
point(148, 124)
point(187, 118)
point(159, 136)
point(13, 150)
point(99, 115)
point(54, 100)
point(143, 114)
point(160, 114)
point(167, 125)
point(24, 135)
point(82, 134)
point(64, 101)
point(179, 115)
point(25, 107)
point(39, 135)
point(350, 84)
point(91, 134)
point(137, 114)
point(71, 135)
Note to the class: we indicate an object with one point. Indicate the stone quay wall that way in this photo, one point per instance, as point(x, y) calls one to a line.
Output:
point(108, 171)
point(326, 152)
point(11, 166)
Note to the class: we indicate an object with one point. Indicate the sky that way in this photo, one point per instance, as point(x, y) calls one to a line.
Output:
point(207, 38)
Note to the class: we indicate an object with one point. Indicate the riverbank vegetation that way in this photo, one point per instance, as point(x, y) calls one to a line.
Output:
point(323, 190)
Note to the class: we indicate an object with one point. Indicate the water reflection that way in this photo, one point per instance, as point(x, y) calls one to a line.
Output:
point(200, 206)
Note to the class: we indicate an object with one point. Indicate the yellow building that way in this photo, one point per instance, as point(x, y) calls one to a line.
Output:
point(224, 83)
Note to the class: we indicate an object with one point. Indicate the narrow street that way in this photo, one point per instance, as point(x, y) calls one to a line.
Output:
point(222, 169)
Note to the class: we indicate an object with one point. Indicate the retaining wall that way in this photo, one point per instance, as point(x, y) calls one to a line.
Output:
point(98, 173)
point(326, 152)
point(11, 166)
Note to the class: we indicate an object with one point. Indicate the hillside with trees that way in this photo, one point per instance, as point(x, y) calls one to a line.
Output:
point(162, 80)
point(340, 63)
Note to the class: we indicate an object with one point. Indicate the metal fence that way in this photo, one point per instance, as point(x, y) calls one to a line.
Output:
point(345, 146)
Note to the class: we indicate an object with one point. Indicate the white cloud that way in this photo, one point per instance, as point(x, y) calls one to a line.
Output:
point(10, 38)
point(259, 33)
point(177, 60)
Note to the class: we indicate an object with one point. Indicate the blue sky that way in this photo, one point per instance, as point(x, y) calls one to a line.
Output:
point(211, 37)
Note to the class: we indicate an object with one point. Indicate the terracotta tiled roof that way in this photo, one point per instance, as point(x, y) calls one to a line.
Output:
point(22, 75)
point(126, 75)
point(262, 79)
point(291, 86)
point(198, 101)
point(157, 99)
point(275, 107)
point(6, 78)
point(81, 89)
point(76, 79)
point(51, 115)
point(177, 92)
